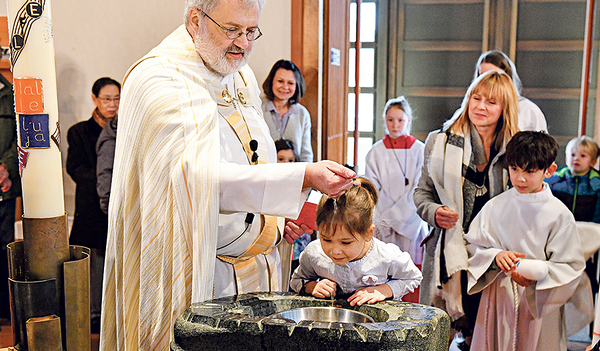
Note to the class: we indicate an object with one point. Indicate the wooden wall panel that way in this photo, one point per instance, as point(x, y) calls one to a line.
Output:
point(335, 80)
point(4, 62)
point(326, 88)
point(305, 54)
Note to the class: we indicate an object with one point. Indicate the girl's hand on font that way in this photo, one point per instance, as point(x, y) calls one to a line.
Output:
point(370, 295)
point(324, 288)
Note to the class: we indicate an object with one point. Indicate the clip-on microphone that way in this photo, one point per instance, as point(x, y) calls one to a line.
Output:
point(253, 147)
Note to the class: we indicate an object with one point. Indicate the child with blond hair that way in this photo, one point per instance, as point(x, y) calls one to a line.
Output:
point(347, 259)
point(577, 185)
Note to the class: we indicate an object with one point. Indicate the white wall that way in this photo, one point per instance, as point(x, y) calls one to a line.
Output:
point(275, 23)
point(103, 38)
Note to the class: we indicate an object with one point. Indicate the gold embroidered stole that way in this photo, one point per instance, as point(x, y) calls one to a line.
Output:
point(244, 265)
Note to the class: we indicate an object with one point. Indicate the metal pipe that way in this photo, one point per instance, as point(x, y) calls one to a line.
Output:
point(357, 47)
point(43, 334)
point(585, 75)
point(77, 299)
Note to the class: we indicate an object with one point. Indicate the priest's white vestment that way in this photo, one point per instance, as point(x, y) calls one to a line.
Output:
point(178, 165)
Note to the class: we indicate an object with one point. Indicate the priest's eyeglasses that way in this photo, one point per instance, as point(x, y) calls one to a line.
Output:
point(236, 32)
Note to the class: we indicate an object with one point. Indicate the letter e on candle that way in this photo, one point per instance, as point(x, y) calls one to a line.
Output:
point(28, 95)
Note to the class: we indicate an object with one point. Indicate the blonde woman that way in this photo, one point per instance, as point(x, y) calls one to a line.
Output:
point(464, 167)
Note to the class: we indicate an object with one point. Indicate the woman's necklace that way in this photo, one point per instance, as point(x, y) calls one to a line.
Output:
point(480, 190)
point(479, 179)
point(400, 163)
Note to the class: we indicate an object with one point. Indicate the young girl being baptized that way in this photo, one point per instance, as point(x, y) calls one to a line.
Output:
point(347, 259)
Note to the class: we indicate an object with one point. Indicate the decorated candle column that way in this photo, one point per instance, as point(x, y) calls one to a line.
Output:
point(36, 107)
point(43, 261)
point(45, 237)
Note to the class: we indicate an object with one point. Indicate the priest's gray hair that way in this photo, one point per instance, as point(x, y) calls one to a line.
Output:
point(210, 5)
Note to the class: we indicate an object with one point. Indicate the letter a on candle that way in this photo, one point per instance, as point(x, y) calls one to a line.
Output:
point(34, 131)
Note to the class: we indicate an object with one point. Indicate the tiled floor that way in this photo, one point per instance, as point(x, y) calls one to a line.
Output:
point(6, 338)
point(575, 343)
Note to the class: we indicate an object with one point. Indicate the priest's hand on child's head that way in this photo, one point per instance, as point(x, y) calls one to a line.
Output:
point(328, 177)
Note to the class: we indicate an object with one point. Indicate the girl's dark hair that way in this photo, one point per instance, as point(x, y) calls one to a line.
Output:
point(101, 83)
point(290, 66)
point(353, 210)
point(531, 150)
point(284, 144)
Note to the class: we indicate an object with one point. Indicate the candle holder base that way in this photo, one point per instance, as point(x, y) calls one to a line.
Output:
point(38, 298)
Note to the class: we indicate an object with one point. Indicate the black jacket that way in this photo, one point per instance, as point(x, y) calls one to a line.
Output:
point(90, 224)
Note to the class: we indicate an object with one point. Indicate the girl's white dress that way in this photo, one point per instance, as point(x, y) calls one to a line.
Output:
point(382, 264)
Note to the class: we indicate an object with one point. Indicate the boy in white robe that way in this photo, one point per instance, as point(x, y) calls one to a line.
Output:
point(526, 221)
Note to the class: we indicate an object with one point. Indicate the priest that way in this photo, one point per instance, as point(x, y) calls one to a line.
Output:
point(194, 191)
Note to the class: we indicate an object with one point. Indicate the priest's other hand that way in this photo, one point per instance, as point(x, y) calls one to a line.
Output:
point(293, 231)
point(328, 177)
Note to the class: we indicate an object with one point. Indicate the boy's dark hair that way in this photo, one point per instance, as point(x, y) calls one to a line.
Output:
point(531, 150)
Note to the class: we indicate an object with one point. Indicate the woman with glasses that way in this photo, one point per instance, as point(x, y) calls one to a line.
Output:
point(286, 118)
point(90, 223)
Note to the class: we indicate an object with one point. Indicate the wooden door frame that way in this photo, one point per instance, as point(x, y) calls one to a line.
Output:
point(310, 50)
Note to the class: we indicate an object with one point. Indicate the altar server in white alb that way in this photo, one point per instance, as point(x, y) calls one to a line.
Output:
point(525, 222)
point(394, 165)
point(191, 180)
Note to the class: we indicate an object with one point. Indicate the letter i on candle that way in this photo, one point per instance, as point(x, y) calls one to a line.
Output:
point(36, 107)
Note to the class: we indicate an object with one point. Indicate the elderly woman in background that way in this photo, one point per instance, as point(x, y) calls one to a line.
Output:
point(530, 115)
point(464, 167)
point(286, 118)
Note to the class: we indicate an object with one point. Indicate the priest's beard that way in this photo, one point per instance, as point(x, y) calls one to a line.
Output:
point(214, 56)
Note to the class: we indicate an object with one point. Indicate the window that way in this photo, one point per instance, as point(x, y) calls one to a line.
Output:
point(367, 118)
